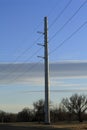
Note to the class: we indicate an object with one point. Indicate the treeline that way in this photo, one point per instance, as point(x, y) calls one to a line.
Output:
point(70, 109)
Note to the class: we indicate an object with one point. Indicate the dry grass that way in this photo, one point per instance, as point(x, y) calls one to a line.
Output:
point(72, 126)
point(62, 125)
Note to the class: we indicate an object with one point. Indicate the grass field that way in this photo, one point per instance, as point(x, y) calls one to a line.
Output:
point(58, 126)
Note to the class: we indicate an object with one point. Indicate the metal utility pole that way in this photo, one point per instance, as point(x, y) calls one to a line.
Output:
point(46, 60)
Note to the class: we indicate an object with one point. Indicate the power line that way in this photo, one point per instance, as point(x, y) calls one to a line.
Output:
point(68, 20)
point(18, 57)
point(26, 59)
point(56, 47)
point(53, 23)
point(59, 15)
point(27, 49)
point(30, 47)
point(23, 73)
point(61, 42)
point(34, 43)
point(68, 38)
point(16, 68)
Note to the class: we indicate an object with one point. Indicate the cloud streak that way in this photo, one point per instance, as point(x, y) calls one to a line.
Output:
point(22, 78)
point(32, 73)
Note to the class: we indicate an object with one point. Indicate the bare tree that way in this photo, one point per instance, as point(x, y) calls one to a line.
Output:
point(39, 110)
point(76, 104)
point(25, 115)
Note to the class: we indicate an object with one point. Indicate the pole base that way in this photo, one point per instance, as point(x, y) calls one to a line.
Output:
point(47, 123)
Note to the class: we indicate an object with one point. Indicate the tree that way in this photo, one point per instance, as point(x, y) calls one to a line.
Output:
point(76, 104)
point(2, 115)
point(58, 113)
point(25, 115)
point(39, 110)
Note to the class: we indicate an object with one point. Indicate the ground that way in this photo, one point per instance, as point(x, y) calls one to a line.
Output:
point(34, 126)
point(8, 127)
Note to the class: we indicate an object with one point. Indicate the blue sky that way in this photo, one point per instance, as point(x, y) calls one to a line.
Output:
point(20, 20)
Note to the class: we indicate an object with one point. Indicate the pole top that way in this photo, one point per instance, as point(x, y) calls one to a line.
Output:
point(45, 17)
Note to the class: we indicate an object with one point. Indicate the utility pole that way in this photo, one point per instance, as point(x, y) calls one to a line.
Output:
point(46, 61)
point(46, 67)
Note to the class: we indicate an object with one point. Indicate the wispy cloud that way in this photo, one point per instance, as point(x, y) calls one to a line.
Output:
point(30, 73)
point(65, 77)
